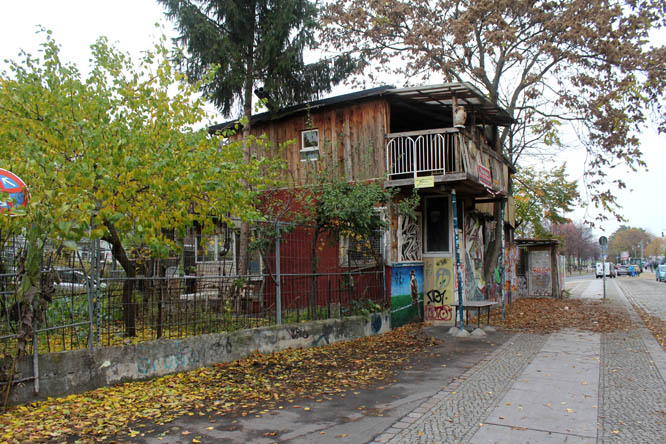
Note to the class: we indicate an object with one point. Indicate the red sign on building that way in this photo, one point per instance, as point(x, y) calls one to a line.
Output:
point(484, 176)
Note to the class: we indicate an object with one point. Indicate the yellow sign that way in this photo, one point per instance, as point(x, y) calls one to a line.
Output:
point(424, 182)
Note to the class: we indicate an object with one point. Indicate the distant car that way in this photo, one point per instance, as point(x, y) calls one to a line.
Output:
point(661, 273)
point(622, 270)
point(606, 267)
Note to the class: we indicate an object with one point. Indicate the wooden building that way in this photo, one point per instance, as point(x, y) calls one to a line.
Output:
point(440, 139)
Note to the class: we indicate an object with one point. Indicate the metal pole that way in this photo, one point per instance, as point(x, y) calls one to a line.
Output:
point(35, 361)
point(89, 287)
point(501, 260)
point(603, 268)
point(278, 279)
point(458, 273)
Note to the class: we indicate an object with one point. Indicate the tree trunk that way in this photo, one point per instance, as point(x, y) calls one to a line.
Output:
point(493, 250)
point(118, 251)
point(244, 240)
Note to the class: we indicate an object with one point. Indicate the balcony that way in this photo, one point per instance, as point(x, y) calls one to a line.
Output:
point(448, 155)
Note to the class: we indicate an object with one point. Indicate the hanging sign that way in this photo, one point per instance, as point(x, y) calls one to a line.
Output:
point(424, 182)
point(484, 176)
point(18, 191)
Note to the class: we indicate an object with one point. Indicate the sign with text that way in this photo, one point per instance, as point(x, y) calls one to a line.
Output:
point(484, 176)
point(424, 182)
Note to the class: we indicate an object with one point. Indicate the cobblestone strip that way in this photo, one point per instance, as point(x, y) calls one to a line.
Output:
point(454, 414)
point(632, 392)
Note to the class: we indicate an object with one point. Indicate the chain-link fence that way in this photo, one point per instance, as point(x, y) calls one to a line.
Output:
point(290, 278)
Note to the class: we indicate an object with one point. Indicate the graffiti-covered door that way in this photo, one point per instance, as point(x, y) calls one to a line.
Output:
point(438, 262)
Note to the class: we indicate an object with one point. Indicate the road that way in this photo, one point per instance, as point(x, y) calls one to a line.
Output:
point(570, 386)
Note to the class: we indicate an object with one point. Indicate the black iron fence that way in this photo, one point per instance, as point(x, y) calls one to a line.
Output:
point(197, 292)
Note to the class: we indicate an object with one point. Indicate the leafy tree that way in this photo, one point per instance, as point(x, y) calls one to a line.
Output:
point(542, 198)
point(254, 42)
point(115, 156)
point(579, 243)
point(339, 208)
point(656, 247)
point(553, 65)
point(628, 239)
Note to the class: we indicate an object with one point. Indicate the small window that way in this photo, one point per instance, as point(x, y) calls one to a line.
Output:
point(309, 145)
point(215, 248)
point(358, 252)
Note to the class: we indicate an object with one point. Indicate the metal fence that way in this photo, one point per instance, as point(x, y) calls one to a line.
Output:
point(94, 305)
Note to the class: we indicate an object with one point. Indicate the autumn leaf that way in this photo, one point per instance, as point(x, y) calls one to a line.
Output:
point(243, 387)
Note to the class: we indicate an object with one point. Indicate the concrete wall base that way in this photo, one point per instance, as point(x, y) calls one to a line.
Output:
point(76, 371)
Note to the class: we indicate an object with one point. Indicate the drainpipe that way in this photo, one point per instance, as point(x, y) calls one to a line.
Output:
point(458, 273)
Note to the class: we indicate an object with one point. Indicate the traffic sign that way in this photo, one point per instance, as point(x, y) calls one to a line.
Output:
point(603, 241)
point(11, 184)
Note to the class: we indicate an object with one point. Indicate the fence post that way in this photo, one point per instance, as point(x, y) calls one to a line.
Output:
point(278, 279)
point(35, 361)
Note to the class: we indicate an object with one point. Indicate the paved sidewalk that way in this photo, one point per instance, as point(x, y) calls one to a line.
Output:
point(571, 386)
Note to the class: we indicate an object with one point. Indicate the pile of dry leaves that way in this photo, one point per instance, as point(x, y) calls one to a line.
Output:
point(247, 386)
point(545, 315)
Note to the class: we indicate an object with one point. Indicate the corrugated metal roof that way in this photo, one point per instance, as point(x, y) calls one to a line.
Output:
point(465, 93)
point(430, 95)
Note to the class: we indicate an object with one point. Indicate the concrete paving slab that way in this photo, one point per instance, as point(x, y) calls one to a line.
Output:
point(557, 392)
point(500, 434)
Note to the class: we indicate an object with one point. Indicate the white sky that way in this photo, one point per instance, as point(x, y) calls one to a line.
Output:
point(131, 25)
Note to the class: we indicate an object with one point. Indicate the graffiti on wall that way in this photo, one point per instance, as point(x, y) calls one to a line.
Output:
point(184, 358)
point(510, 278)
point(475, 287)
point(540, 282)
point(406, 294)
point(409, 238)
point(438, 281)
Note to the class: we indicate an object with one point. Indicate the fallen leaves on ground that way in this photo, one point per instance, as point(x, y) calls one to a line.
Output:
point(656, 325)
point(546, 315)
point(246, 386)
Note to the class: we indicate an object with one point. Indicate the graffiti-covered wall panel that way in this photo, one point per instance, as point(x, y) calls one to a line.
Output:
point(510, 276)
point(540, 279)
point(406, 294)
point(438, 284)
point(475, 287)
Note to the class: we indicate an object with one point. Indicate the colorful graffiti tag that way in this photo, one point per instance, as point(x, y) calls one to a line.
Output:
point(438, 277)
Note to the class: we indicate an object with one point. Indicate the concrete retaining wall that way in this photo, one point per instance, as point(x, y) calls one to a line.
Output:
point(80, 370)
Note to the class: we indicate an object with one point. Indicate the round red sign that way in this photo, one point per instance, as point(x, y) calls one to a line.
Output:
point(18, 191)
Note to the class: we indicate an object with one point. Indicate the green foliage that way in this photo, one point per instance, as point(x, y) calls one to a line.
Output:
point(258, 42)
point(542, 197)
point(628, 239)
point(118, 148)
point(117, 155)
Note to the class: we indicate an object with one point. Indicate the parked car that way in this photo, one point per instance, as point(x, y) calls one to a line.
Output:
point(607, 268)
point(622, 270)
point(71, 279)
point(661, 273)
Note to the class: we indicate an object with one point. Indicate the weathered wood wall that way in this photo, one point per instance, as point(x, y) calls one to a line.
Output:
point(351, 137)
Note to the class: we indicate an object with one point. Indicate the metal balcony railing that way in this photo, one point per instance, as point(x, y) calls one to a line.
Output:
point(427, 152)
point(439, 152)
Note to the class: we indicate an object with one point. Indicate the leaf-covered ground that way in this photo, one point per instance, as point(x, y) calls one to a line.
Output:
point(655, 324)
point(259, 383)
point(545, 315)
point(252, 385)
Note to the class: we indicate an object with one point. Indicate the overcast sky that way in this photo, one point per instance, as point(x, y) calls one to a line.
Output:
point(131, 23)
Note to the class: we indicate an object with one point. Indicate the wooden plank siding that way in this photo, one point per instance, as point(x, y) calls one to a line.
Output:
point(350, 137)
